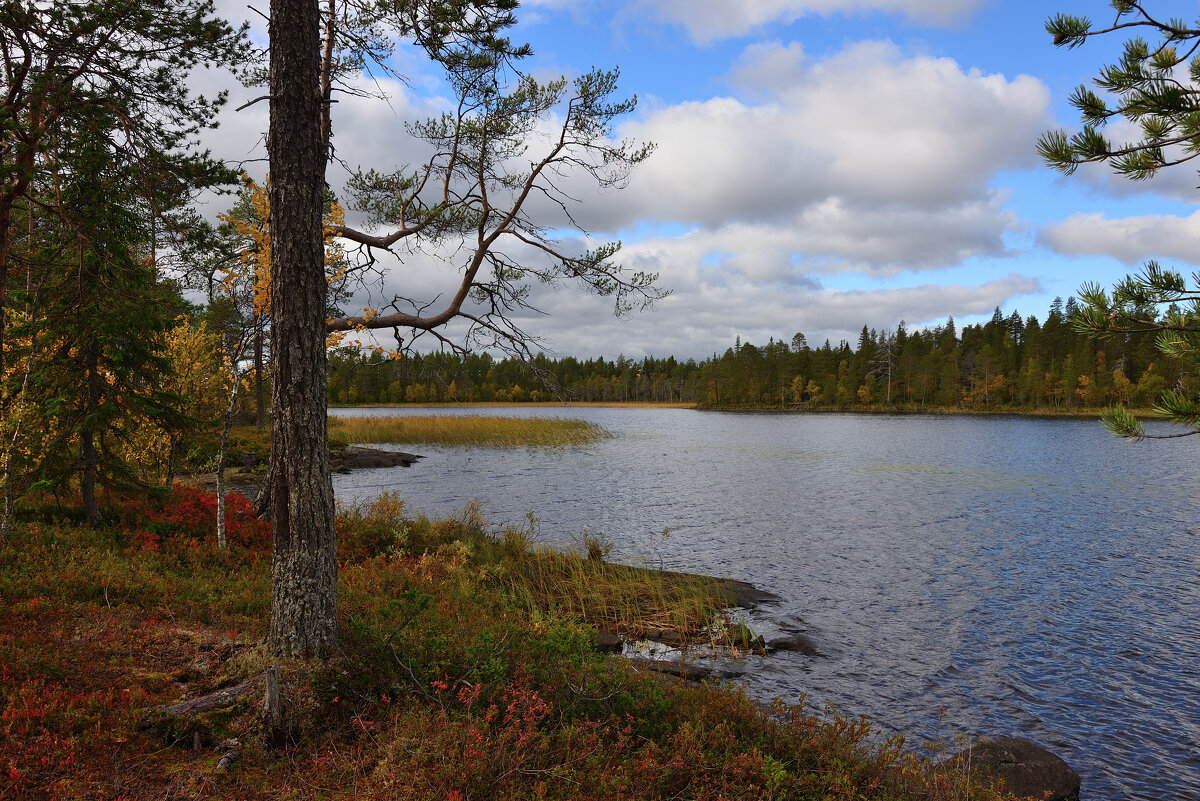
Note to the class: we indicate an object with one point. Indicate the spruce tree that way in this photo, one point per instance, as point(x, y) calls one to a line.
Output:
point(70, 60)
point(98, 363)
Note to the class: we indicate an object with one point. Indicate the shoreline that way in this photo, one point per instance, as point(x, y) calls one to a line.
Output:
point(519, 405)
point(939, 411)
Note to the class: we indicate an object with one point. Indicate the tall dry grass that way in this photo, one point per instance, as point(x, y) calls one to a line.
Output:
point(579, 582)
point(625, 600)
point(467, 430)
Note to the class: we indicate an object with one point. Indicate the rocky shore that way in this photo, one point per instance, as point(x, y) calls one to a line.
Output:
point(344, 459)
point(1027, 769)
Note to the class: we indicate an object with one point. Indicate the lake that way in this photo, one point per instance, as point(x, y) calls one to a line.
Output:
point(961, 576)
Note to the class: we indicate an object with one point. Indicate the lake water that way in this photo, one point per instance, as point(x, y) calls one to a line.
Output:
point(960, 575)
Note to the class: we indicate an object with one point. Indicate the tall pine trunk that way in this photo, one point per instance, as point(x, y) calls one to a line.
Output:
point(304, 565)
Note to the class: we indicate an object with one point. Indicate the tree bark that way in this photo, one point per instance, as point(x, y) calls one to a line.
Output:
point(223, 449)
point(272, 708)
point(304, 565)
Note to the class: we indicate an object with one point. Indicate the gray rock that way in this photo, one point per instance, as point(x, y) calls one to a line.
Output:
point(738, 593)
point(669, 637)
point(1026, 768)
point(748, 596)
point(609, 643)
point(794, 642)
point(355, 457)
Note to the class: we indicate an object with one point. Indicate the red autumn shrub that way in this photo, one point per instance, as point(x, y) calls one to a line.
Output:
point(187, 517)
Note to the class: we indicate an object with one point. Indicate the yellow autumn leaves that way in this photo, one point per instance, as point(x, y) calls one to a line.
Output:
point(251, 276)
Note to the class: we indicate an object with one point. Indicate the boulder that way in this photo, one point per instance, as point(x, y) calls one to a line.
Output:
point(737, 593)
point(1027, 769)
point(748, 596)
point(355, 457)
point(669, 637)
point(609, 643)
point(794, 642)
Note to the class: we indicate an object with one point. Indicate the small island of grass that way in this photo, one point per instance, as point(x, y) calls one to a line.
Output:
point(486, 431)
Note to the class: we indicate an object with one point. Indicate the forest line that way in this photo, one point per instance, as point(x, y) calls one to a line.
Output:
point(1008, 363)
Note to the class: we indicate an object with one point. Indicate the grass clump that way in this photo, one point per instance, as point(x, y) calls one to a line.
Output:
point(455, 680)
point(625, 600)
point(578, 583)
point(467, 430)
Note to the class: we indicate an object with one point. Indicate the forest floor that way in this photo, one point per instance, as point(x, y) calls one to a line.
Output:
point(468, 669)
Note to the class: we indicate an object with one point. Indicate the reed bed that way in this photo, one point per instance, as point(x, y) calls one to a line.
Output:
point(485, 431)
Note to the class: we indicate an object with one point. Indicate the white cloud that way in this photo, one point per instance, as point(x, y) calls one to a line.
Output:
point(756, 294)
point(879, 161)
point(709, 20)
point(830, 237)
point(868, 161)
point(769, 65)
point(705, 316)
point(1130, 240)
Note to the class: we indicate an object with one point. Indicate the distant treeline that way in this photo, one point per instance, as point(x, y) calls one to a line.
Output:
point(1008, 362)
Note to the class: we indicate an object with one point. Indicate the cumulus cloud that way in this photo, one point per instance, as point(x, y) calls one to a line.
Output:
point(867, 124)
point(1130, 240)
point(769, 65)
point(830, 237)
point(868, 161)
point(877, 161)
point(709, 20)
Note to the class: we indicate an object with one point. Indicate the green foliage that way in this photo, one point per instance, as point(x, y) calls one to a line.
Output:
point(99, 161)
point(69, 62)
point(93, 348)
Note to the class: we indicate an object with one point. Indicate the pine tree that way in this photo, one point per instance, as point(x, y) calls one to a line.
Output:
point(467, 194)
point(66, 62)
point(1145, 88)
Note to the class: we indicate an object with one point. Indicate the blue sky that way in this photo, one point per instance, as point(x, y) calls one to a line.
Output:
point(821, 165)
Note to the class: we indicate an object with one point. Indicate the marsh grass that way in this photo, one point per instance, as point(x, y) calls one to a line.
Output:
point(529, 405)
point(626, 600)
point(467, 430)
